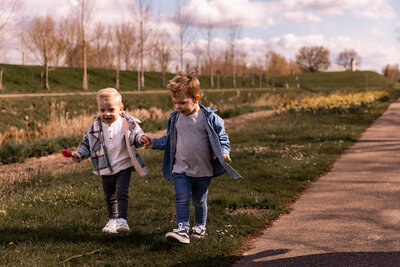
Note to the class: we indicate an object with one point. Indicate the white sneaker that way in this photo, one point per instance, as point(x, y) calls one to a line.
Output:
point(110, 227)
point(179, 235)
point(198, 231)
point(122, 226)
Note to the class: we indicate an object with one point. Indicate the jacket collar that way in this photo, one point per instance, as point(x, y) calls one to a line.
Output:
point(207, 110)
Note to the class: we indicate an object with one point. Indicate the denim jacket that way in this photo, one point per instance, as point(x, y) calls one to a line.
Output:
point(217, 137)
point(93, 144)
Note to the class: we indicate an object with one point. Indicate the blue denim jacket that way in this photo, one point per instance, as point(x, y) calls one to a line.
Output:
point(217, 137)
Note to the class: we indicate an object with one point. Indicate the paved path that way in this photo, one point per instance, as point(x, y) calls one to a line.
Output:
point(349, 217)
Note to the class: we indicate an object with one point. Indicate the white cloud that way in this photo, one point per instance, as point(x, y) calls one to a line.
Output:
point(300, 17)
point(222, 12)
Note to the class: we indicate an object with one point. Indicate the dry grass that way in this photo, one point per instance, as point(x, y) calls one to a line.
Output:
point(61, 123)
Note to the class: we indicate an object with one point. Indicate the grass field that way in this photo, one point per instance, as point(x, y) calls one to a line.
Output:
point(49, 219)
point(26, 79)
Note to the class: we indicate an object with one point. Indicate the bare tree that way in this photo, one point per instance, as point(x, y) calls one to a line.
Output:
point(102, 54)
point(198, 53)
point(209, 32)
point(42, 42)
point(234, 31)
point(163, 53)
point(127, 40)
point(83, 9)
point(345, 57)
point(141, 11)
point(313, 59)
point(184, 20)
point(7, 10)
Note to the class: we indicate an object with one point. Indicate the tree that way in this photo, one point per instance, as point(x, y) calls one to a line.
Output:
point(7, 10)
point(163, 53)
point(276, 64)
point(84, 9)
point(127, 39)
point(234, 31)
point(209, 31)
point(141, 11)
point(392, 72)
point(346, 56)
point(198, 53)
point(42, 42)
point(184, 20)
point(313, 58)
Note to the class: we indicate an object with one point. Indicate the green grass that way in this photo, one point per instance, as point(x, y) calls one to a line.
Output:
point(26, 79)
point(53, 217)
point(345, 81)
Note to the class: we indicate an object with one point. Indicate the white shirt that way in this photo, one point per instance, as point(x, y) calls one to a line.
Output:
point(115, 144)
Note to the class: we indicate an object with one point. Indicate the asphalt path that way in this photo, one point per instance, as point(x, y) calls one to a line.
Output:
point(348, 217)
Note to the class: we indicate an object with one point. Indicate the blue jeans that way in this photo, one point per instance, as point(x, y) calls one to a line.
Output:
point(187, 188)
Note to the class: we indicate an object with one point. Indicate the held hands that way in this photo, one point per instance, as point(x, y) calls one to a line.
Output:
point(226, 158)
point(75, 157)
point(147, 141)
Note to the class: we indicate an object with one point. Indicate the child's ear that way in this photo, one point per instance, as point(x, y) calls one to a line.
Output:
point(197, 98)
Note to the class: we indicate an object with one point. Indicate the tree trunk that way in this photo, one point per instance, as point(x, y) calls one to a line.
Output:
point(85, 81)
point(117, 78)
point(141, 56)
point(46, 76)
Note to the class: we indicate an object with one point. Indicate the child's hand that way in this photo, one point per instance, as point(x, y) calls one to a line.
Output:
point(75, 157)
point(147, 141)
point(227, 158)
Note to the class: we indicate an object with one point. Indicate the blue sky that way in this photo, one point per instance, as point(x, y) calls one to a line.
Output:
point(370, 27)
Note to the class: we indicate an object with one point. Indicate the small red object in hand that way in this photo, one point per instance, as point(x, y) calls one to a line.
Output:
point(66, 153)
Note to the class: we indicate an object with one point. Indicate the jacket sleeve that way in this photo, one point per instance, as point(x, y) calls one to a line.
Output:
point(219, 127)
point(159, 143)
point(138, 133)
point(84, 148)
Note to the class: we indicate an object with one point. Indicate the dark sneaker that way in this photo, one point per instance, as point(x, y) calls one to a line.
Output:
point(198, 231)
point(180, 235)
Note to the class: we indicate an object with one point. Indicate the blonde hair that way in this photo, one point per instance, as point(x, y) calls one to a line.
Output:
point(186, 84)
point(109, 93)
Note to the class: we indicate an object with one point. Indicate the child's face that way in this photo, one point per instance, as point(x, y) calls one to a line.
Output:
point(185, 104)
point(109, 109)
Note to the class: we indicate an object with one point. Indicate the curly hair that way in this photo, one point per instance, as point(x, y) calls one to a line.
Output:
point(187, 84)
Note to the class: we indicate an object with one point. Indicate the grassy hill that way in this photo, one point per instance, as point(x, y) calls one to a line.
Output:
point(344, 81)
point(26, 79)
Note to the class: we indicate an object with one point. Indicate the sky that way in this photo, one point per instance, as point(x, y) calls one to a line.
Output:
point(370, 27)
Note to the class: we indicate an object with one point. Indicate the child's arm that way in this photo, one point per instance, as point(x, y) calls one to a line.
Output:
point(83, 151)
point(219, 128)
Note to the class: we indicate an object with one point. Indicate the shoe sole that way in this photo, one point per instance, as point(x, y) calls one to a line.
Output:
point(197, 236)
point(177, 238)
point(123, 231)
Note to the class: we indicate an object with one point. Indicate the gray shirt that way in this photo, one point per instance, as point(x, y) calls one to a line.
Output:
point(193, 150)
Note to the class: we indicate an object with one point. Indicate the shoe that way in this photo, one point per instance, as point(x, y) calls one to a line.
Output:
point(180, 235)
point(198, 231)
point(110, 227)
point(122, 226)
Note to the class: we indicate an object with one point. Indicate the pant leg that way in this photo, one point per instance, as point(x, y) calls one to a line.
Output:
point(199, 199)
point(182, 188)
point(122, 192)
point(108, 183)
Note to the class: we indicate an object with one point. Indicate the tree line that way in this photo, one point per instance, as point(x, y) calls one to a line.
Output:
point(140, 44)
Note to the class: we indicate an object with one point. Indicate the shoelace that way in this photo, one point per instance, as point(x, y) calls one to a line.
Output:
point(180, 228)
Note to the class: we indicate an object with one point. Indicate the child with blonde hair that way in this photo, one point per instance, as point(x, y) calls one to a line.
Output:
point(111, 142)
point(196, 150)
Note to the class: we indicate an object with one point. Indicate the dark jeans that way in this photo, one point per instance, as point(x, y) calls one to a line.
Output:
point(116, 189)
point(187, 188)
